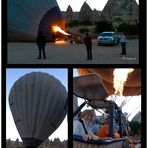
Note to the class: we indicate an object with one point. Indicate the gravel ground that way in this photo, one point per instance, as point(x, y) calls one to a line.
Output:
point(27, 53)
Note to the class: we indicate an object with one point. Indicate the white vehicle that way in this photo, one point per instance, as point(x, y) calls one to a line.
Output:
point(110, 38)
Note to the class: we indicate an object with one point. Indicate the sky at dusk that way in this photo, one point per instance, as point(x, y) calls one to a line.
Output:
point(76, 4)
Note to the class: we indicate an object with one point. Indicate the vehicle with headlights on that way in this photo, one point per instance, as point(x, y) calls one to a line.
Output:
point(108, 38)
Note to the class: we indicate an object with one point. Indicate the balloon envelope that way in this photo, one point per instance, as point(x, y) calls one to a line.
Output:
point(132, 85)
point(26, 18)
point(89, 87)
point(37, 102)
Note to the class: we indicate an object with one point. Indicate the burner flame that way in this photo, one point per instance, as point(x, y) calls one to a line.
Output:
point(58, 29)
point(120, 77)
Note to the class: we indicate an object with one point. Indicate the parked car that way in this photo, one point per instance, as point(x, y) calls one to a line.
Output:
point(110, 38)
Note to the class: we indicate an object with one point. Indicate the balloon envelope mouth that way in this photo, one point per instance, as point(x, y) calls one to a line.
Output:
point(32, 142)
point(53, 17)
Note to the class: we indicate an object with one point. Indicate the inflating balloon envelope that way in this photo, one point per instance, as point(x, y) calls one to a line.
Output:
point(26, 18)
point(132, 86)
point(91, 88)
point(38, 104)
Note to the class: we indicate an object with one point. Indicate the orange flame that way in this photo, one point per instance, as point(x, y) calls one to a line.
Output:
point(60, 42)
point(58, 29)
point(120, 77)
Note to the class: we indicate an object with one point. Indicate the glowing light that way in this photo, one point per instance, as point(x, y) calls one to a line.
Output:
point(60, 42)
point(58, 29)
point(120, 77)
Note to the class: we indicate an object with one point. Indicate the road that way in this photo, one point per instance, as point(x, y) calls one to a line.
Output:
point(27, 53)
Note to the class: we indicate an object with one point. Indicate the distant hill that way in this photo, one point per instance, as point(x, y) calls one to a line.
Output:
point(123, 10)
point(86, 13)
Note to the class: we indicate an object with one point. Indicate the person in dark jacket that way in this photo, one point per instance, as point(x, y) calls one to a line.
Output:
point(88, 44)
point(41, 42)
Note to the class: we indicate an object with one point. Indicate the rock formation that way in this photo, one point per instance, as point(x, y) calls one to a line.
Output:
point(121, 10)
point(137, 117)
point(96, 15)
point(69, 14)
point(85, 13)
point(56, 143)
point(124, 9)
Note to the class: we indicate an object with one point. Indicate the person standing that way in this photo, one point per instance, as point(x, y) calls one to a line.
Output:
point(88, 44)
point(123, 43)
point(41, 42)
point(53, 37)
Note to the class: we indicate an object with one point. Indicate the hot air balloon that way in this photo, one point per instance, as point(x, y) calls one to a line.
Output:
point(94, 86)
point(27, 18)
point(131, 87)
point(38, 104)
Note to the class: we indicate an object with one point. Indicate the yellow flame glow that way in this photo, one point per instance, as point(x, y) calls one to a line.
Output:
point(60, 42)
point(120, 77)
point(58, 29)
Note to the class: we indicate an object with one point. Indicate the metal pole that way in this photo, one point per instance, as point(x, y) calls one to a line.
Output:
point(120, 122)
point(111, 123)
point(79, 109)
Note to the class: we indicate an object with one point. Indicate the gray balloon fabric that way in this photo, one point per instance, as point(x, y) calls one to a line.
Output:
point(89, 87)
point(37, 102)
point(26, 18)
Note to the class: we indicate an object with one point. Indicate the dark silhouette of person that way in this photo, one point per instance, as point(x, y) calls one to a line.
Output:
point(88, 44)
point(41, 42)
point(53, 37)
point(70, 39)
point(123, 39)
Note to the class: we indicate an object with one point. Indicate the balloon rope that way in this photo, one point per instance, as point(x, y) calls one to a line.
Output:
point(98, 110)
point(133, 110)
point(122, 105)
point(113, 98)
point(125, 101)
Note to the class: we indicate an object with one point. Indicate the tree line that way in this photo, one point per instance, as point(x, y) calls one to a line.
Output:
point(106, 25)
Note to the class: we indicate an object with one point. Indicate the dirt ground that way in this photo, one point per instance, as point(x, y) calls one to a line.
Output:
point(27, 53)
